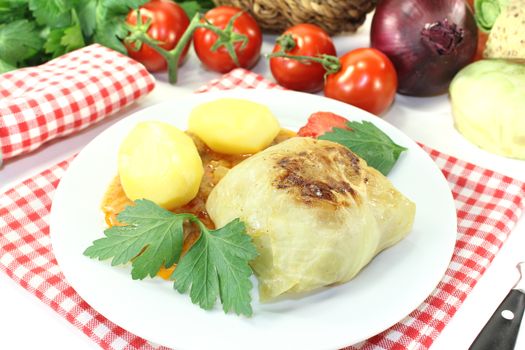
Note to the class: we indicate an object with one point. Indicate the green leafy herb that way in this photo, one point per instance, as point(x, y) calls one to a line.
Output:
point(110, 15)
point(19, 40)
point(116, 7)
point(52, 13)
point(218, 265)
point(12, 10)
point(369, 142)
point(53, 45)
point(35, 31)
point(215, 266)
point(62, 40)
point(109, 34)
point(72, 38)
point(191, 7)
point(86, 11)
point(151, 239)
point(5, 67)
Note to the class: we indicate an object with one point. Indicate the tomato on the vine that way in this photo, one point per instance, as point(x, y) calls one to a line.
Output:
point(367, 79)
point(219, 59)
point(168, 23)
point(301, 40)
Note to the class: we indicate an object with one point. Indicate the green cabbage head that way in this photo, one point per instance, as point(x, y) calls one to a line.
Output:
point(488, 105)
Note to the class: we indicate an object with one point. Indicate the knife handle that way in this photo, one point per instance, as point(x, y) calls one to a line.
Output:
point(500, 332)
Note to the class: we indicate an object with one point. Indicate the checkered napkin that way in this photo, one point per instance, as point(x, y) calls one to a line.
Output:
point(65, 95)
point(488, 206)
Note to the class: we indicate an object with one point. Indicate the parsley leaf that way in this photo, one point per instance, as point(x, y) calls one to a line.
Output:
point(19, 40)
point(110, 15)
point(368, 142)
point(191, 7)
point(53, 45)
point(5, 67)
point(72, 38)
point(52, 13)
point(62, 40)
point(151, 239)
point(116, 7)
point(109, 33)
point(218, 265)
point(86, 11)
point(11, 10)
point(50, 28)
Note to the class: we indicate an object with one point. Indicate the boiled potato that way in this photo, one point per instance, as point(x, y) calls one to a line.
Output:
point(159, 162)
point(234, 126)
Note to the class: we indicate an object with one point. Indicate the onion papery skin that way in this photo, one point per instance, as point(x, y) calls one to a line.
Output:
point(425, 66)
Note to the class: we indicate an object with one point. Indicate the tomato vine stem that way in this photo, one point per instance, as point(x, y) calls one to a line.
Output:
point(330, 63)
point(225, 37)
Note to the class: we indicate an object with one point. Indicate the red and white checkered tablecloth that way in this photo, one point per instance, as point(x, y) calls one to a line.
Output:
point(65, 95)
point(488, 206)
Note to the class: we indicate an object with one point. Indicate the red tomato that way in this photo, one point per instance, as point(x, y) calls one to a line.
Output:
point(310, 40)
point(322, 122)
point(168, 23)
point(220, 60)
point(367, 80)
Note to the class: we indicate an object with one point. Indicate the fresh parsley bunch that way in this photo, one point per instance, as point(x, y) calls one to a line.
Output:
point(215, 266)
point(35, 31)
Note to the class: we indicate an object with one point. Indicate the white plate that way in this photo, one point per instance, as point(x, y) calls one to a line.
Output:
point(387, 290)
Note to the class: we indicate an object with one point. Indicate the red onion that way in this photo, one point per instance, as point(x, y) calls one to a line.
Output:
point(428, 41)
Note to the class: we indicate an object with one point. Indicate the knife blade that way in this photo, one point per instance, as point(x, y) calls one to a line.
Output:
point(501, 331)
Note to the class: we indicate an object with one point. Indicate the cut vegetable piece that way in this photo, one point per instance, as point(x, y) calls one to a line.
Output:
point(234, 126)
point(322, 122)
point(487, 11)
point(508, 33)
point(157, 161)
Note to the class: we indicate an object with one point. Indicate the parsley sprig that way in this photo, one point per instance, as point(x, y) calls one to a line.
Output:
point(215, 266)
point(35, 31)
point(368, 142)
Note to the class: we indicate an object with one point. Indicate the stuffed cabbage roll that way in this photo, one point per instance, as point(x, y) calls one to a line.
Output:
point(317, 213)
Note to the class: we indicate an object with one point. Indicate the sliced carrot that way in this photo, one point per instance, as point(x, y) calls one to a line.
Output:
point(165, 272)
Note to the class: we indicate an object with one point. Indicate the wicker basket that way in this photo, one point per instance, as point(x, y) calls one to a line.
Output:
point(334, 16)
